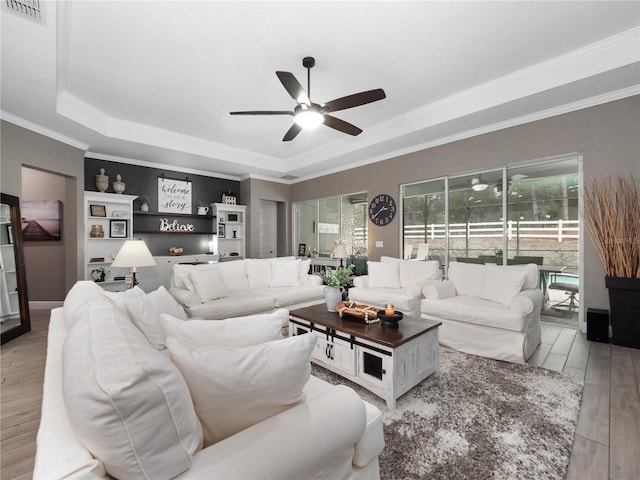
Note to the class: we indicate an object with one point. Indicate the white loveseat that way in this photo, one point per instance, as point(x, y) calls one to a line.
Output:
point(395, 281)
point(487, 310)
point(115, 406)
point(243, 287)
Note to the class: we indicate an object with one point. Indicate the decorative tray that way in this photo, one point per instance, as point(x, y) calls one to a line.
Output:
point(364, 312)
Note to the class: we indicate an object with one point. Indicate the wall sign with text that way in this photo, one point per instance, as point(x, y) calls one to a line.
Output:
point(174, 196)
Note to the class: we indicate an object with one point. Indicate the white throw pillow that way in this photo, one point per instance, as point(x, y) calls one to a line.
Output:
point(234, 275)
point(208, 284)
point(234, 388)
point(145, 314)
point(468, 278)
point(76, 302)
point(304, 269)
point(259, 272)
point(285, 274)
point(415, 271)
point(384, 274)
point(126, 402)
point(181, 273)
point(120, 298)
point(502, 283)
point(231, 332)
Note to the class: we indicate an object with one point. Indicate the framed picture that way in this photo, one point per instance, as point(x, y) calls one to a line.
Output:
point(221, 230)
point(174, 196)
point(98, 210)
point(41, 220)
point(302, 249)
point(118, 229)
point(10, 233)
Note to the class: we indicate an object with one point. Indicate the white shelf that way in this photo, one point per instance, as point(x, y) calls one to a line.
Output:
point(104, 247)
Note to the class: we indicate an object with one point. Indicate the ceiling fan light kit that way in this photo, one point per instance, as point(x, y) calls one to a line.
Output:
point(477, 185)
point(308, 115)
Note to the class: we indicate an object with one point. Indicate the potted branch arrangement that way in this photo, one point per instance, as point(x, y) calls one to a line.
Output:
point(612, 207)
point(335, 280)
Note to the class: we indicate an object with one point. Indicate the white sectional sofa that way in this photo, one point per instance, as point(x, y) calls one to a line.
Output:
point(395, 281)
point(487, 310)
point(116, 406)
point(243, 287)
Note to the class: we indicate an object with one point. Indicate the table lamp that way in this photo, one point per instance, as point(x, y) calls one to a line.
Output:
point(341, 253)
point(134, 254)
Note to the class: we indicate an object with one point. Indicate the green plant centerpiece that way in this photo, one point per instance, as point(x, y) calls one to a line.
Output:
point(612, 207)
point(335, 279)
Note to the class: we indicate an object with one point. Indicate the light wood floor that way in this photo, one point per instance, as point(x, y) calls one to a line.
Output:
point(606, 446)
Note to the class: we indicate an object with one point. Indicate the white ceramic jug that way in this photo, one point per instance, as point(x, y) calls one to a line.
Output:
point(203, 210)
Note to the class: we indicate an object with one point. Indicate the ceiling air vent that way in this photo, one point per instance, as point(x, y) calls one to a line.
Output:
point(30, 9)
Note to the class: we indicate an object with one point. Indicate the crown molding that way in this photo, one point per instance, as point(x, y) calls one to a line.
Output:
point(513, 122)
point(21, 122)
point(160, 166)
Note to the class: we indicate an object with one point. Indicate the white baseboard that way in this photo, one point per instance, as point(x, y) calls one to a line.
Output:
point(45, 305)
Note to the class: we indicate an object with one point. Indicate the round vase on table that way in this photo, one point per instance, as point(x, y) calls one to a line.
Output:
point(332, 297)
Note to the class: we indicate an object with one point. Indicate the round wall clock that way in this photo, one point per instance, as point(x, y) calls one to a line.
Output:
point(382, 209)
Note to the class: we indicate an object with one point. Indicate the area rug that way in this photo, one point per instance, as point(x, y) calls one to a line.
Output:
point(479, 419)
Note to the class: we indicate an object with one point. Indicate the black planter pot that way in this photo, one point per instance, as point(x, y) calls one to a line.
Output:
point(624, 305)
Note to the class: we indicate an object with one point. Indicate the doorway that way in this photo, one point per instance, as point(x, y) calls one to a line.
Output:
point(268, 233)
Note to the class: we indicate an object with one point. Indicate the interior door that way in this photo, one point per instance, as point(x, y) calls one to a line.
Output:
point(268, 229)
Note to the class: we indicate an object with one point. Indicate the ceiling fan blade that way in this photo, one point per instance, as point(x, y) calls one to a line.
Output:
point(294, 88)
point(341, 125)
point(355, 100)
point(262, 112)
point(292, 132)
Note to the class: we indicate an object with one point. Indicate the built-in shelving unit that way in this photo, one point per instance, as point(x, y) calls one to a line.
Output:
point(230, 229)
point(108, 223)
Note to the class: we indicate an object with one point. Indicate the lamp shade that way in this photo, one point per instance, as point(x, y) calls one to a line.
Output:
point(340, 252)
point(134, 253)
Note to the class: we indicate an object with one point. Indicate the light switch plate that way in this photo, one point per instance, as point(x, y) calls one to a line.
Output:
point(379, 244)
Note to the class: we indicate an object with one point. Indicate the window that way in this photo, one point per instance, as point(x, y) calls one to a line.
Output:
point(319, 223)
point(519, 213)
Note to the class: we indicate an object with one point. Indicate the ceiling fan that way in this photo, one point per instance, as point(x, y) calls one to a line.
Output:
point(308, 115)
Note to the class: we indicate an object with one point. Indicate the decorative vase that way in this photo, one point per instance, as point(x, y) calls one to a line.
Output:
point(118, 185)
point(102, 181)
point(624, 304)
point(332, 297)
point(144, 207)
point(96, 231)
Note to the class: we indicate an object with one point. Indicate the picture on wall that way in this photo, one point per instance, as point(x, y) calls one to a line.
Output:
point(41, 220)
point(118, 228)
point(174, 196)
point(221, 230)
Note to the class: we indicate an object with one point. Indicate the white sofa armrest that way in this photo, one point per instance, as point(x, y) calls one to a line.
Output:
point(361, 282)
point(185, 297)
point(439, 290)
point(526, 301)
point(317, 435)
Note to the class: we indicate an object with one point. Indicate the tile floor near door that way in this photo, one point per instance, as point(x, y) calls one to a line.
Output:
point(606, 446)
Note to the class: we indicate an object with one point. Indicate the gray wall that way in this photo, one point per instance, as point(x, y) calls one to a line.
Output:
point(22, 147)
point(44, 259)
point(253, 190)
point(608, 135)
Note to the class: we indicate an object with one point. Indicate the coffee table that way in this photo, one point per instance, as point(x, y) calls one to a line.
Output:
point(385, 361)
